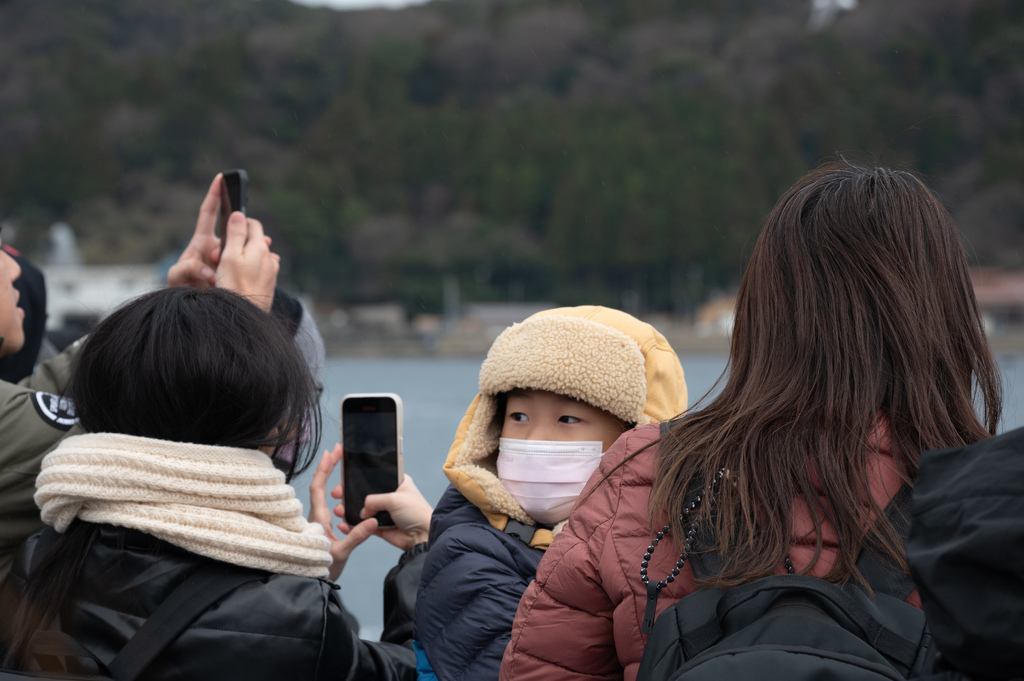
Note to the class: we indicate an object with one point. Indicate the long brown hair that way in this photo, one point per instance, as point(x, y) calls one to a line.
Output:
point(856, 308)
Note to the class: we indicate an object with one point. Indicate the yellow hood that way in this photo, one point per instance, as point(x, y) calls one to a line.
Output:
point(603, 357)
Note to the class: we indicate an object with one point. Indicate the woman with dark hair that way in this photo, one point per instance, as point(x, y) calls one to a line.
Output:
point(857, 345)
point(187, 398)
point(35, 414)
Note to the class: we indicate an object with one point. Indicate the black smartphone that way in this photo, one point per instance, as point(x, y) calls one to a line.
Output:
point(234, 192)
point(371, 435)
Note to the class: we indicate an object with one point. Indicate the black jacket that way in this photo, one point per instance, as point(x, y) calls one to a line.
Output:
point(966, 552)
point(473, 579)
point(281, 627)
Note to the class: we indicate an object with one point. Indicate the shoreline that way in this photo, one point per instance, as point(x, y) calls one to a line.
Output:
point(477, 344)
point(684, 342)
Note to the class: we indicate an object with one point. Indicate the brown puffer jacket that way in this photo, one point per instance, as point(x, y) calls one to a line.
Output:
point(582, 616)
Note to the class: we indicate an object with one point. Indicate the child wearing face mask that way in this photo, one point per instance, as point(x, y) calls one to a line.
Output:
point(555, 392)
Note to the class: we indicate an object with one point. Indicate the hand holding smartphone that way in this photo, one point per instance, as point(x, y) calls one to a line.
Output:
point(234, 195)
point(371, 436)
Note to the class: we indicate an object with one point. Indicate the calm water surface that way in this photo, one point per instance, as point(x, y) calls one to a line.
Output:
point(435, 394)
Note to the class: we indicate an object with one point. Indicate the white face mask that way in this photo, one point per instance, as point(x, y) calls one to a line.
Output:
point(544, 476)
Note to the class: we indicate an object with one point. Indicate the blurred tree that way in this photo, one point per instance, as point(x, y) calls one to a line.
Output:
point(64, 165)
point(607, 151)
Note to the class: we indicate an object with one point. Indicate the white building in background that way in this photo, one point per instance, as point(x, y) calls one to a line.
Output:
point(717, 316)
point(823, 12)
point(81, 295)
point(1000, 296)
point(77, 294)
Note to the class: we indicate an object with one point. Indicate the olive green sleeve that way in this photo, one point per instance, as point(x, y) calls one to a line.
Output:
point(33, 419)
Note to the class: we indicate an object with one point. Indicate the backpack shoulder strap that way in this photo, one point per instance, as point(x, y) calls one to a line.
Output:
point(189, 599)
point(665, 426)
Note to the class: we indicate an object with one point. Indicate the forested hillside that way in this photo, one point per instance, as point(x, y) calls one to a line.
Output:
point(612, 151)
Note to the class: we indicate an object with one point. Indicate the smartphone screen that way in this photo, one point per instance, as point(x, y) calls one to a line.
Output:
point(371, 435)
point(233, 195)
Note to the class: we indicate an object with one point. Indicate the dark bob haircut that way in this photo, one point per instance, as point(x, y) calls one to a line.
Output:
point(207, 367)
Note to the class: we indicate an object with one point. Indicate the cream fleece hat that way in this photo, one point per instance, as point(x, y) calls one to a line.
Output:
point(597, 355)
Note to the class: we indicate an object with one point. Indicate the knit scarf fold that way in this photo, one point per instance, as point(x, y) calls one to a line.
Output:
point(224, 503)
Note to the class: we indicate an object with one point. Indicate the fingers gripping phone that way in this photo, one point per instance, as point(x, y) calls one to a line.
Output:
point(234, 195)
point(371, 436)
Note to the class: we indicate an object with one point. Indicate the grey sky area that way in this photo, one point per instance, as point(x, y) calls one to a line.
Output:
point(358, 4)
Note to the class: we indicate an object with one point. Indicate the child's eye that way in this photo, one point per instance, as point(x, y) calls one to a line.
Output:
point(518, 416)
point(568, 419)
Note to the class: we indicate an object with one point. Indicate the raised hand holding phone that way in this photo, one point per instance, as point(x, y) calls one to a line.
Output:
point(245, 262)
point(407, 507)
point(196, 264)
point(247, 266)
point(253, 269)
point(408, 510)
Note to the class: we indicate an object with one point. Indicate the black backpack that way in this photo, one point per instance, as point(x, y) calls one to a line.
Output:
point(794, 627)
point(787, 626)
point(59, 656)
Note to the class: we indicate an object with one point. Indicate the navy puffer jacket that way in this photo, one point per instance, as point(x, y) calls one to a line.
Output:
point(472, 581)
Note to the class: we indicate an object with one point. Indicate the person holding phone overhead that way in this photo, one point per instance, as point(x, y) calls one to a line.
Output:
point(34, 413)
point(187, 398)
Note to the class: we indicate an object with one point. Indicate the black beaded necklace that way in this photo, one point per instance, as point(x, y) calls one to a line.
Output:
point(654, 588)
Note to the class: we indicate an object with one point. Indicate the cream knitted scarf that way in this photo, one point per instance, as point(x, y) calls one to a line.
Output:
point(224, 503)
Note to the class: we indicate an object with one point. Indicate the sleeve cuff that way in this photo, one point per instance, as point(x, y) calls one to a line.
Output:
point(416, 550)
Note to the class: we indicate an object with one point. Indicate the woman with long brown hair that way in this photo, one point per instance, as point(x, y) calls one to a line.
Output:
point(857, 345)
